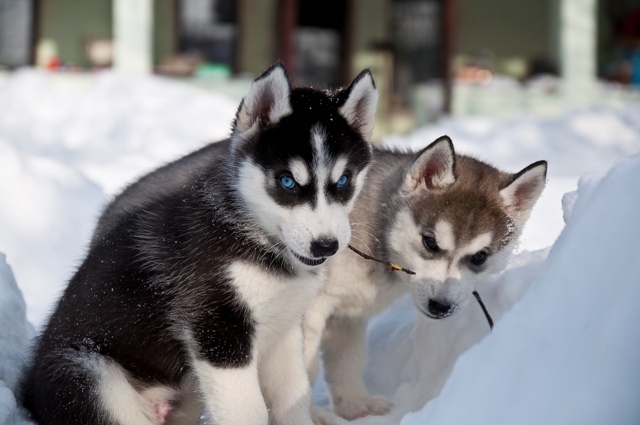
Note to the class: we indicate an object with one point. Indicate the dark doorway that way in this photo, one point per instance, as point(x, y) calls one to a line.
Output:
point(17, 24)
point(619, 41)
point(320, 43)
point(417, 40)
point(208, 29)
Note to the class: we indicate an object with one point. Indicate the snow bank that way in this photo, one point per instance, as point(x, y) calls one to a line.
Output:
point(64, 152)
point(15, 333)
point(116, 129)
point(48, 214)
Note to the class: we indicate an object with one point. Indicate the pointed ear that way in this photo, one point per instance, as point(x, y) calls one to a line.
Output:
point(267, 101)
point(359, 106)
point(433, 169)
point(522, 190)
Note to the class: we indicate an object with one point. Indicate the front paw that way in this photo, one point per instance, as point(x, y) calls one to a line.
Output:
point(321, 417)
point(357, 408)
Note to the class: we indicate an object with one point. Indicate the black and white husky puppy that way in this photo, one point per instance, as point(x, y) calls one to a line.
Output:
point(195, 294)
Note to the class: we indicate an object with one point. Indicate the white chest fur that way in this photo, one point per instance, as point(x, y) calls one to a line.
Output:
point(276, 303)
point(358, 289)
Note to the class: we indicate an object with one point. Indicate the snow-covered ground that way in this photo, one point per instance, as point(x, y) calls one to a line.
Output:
point(564, 349)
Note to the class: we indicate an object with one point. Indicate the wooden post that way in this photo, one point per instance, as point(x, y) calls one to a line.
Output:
point(447, 31)
point(287, 23)
point(36, 11)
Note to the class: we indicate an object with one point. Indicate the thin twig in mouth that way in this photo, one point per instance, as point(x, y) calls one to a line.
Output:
point(394, 267)
point(484, 309)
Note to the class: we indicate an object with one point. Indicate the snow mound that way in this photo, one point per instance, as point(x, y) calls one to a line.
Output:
point(137, 123)
point(49, 213)
point(15, 334)
point(64, 151)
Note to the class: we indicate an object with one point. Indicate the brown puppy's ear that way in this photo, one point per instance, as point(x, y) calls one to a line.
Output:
point(267, 101)
point(433, 169)
point(359, 107)
point(522, 190)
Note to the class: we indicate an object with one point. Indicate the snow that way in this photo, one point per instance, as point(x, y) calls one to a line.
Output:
point(15, 333)
point(564, 349)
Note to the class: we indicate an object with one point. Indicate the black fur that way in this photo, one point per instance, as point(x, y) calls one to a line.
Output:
point(156, 266)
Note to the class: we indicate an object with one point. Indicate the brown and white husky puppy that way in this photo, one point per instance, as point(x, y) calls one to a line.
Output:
point(450, 218)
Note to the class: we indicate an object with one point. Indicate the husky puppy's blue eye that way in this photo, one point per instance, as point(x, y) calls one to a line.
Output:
point(287, 182)
point(342, 181)
point(479, 258)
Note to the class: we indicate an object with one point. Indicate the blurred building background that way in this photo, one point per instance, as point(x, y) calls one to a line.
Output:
point(430, 57)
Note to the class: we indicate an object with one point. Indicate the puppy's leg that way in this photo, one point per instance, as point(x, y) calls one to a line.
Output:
point(345, 358)
point(285, 382)
point(232, 394)
point(315, 319)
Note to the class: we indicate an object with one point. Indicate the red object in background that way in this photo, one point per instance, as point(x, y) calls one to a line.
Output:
point(53, 64)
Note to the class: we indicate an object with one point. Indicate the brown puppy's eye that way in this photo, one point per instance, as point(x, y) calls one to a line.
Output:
point(430, 243)
point(479, 258)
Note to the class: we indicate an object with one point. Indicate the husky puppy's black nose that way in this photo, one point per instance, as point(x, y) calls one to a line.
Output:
point(324, 247)
point(440, 310)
